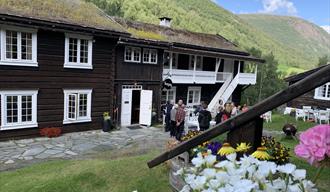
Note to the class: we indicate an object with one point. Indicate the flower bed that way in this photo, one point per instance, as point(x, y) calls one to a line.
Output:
point(213, 166)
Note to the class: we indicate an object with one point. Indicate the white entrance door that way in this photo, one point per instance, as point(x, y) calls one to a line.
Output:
point(126, 107)
point(146, 107)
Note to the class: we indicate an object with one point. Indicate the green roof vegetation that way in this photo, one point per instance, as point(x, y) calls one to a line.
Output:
point(64, 11)
point(146, 34)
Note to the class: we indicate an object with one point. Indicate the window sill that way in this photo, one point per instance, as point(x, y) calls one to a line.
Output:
point(130, 61)
point(78, 66)
point(322, 98)
point(19, 63)
point(67, 121)
point(18, 126)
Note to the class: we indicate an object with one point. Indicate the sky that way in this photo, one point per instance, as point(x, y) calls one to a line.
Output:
point(316, 11)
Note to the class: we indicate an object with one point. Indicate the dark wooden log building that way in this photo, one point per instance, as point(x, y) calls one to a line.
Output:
point(318, 98)
point(65, 65)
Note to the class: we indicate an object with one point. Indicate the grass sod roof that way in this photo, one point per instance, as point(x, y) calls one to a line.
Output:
point(75, 12)
point(168, 34)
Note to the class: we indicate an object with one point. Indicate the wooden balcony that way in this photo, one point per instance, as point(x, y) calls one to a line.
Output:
point(180, 76)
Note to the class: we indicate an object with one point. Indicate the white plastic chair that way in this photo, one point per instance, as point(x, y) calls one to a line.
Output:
point(287, 110)
point(267, 116)
point(300, 113)
point(323, 116)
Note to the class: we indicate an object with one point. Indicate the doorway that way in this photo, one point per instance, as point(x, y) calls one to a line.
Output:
point(136, 96)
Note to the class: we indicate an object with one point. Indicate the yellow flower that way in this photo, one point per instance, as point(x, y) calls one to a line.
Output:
point(243, 147)
point(261, 154)
point(226, 149)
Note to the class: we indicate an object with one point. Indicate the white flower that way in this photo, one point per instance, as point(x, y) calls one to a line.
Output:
point(293, 188)
point(198, 161)
point(222, 164)
point(266, 167)
point(232, 157)
point(299, 174)
point(210, 159)
point(279, 184)
point(287, 168)
point(189, 178)
point(309, 186)
point(198, 183)
point(214, 184)
point(209, 173)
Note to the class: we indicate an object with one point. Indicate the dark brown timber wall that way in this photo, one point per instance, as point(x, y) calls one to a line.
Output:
point(147, 75)
point(50, 78)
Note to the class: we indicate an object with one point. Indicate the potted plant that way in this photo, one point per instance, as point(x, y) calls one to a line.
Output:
point(107, 123)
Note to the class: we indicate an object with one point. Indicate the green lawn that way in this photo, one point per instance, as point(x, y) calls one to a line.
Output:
point(278, 120)
point(116, 175)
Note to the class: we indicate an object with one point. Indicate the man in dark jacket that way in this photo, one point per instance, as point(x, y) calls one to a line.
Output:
point(168, 108)
point(204, 118)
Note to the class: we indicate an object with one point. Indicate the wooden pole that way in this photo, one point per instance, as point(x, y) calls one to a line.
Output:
point(295, 90)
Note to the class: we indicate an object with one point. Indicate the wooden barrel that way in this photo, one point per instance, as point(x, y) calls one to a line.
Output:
point(178, 162)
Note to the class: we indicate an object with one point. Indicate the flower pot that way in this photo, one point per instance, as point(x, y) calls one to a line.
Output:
point(107, 125)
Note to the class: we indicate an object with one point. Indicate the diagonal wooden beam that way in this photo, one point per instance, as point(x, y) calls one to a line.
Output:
point(295, 90)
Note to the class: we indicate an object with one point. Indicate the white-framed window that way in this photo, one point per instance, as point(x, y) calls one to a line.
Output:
point(169, 95)
point(132, 54)
point(322, 92)
point(78, 51)
point(150, 56)
point(18, 109)
point(77, 106)
point(18, 46)
point(194, 96)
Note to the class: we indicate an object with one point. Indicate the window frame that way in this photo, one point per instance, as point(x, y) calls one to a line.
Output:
point(151, 51)
point(194, 89)
point(133, 49)
point(173, 89)
point(78, 64)
point(19, 61)
point(77, 119)
point(327, 92)
point(19, 125)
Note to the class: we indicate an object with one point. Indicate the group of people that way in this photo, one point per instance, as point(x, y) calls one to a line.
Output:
point(175, 116)
point(229, 110)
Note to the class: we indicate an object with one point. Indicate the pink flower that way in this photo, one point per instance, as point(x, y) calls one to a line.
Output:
point(314, 144)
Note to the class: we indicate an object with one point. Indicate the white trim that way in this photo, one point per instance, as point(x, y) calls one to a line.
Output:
point(151, 51)
point(132, 54)
point(78, 64)
point(19, 61)
point(174, 93)
point(194, 89)
point(327, 91)
point(78, 119)
point(19, 124)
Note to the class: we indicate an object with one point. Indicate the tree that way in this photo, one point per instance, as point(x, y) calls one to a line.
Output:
point(323, 60)
point(268, 79)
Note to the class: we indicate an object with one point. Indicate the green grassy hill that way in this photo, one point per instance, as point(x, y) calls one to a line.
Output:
point(206, 16)
point(297, 34)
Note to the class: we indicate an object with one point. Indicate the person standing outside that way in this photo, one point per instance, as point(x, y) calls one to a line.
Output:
point(173, 121)
point(204, 118)
point(234, 110)
point(168, 108)
point(179, 118)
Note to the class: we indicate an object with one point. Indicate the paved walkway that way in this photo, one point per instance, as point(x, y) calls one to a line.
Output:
point(21, 152)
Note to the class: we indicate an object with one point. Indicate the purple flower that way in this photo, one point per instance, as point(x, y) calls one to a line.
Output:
point(214, 146)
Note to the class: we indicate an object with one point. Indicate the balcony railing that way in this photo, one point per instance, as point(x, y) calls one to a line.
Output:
point(180, 76)
point(190, 76)
point(223, 76)
point(247, 78)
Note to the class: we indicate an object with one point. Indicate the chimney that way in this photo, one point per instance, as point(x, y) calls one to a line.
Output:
point(165, 21)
